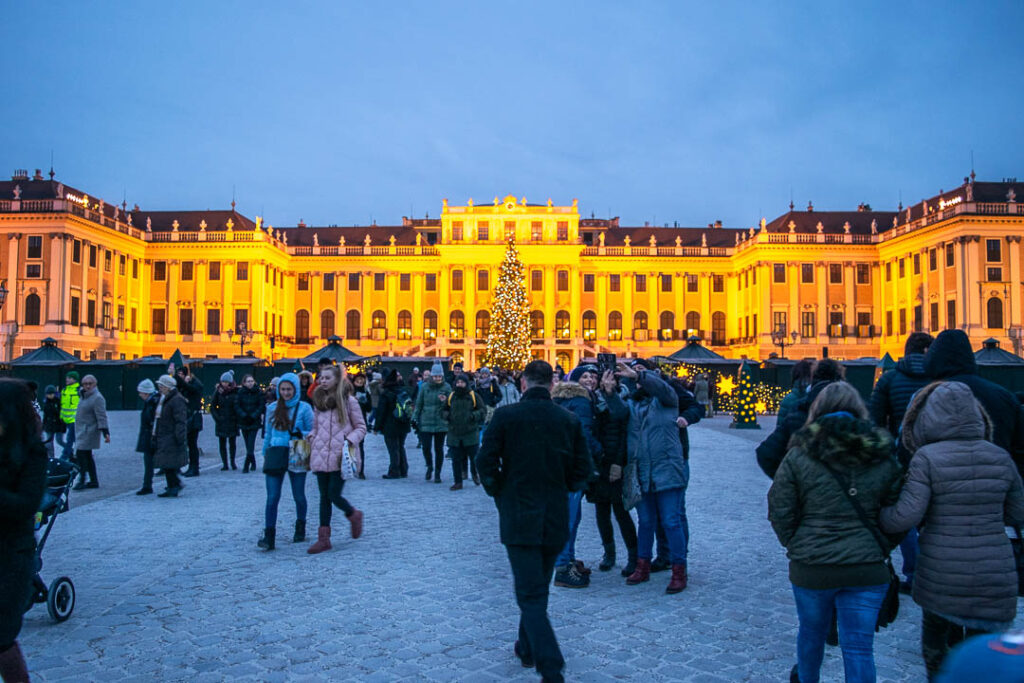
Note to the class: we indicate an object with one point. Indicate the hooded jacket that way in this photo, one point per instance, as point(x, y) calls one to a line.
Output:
point(653, 436)
point(950, 358)
point(464, 413)
point(145, 441)
point(965, 490)
point(303, 421)
point(827, 544)
point(427, 412)
point(578, 400)
point(894, 390)
point(773, 449)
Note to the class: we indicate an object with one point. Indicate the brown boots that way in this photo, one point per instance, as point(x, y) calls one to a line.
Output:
point(678, 581)
point(323, 541)
point(356, 520)
point(642, 573)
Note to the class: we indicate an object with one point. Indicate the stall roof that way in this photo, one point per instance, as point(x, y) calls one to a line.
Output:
point(47, 354)
point(334, 351)
point(695, 352)
point(991, 354)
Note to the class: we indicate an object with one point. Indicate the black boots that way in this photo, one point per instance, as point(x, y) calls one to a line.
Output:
point(267, 542)
point(12, 664)
point(608, 561)
point(300, 531)
point(630, 562)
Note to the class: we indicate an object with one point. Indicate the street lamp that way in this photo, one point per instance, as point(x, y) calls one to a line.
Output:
point(244, 337)
point(779, 339)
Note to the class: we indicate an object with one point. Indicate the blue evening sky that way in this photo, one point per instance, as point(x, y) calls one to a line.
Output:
point(653, 111)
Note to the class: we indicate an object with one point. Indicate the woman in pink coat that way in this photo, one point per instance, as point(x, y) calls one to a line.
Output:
point(337, 418)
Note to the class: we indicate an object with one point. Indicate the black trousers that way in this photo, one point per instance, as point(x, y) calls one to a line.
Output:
point(331, 485)
point(399, 462)
point(173, 480)
point(460, 454)
point(603, 513)
point(228, 443)
point(193, 450)
point(532, 569)
point(87, 464)
point(147, 469)
point(249, 437)
point(433, 442)
point(938, 637)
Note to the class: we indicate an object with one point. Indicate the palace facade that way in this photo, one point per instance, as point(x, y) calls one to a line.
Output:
point(110, 282)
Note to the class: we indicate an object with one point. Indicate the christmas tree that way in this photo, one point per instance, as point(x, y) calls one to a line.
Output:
point(744, 413)
point(508, 343)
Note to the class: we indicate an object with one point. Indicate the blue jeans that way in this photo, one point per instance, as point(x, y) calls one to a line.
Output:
point(858, 612)
point(908, 548)
point(568, 553)
point(662, 507)
point(68, 442)
point(662, 538)
point(275, 482)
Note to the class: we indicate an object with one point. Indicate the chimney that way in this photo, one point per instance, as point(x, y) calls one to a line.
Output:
point(38, 175)
point(20, 174)
point(810, 206)
point(647, 224)
point(302, 223)
point(718, 224)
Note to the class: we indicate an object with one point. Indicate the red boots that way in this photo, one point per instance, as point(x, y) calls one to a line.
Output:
point(323, 541)
point(356, 520)
point(642, 573)
point(678, 582)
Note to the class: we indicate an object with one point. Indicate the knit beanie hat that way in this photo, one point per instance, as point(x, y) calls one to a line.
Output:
point(167, 381)
point(575, 375)
point(436, 369)
point(228, 376)
point(73, 375)
point(146, 386)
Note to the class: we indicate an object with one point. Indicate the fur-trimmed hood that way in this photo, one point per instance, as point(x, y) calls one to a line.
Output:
point(845, 440)
point(568, 390)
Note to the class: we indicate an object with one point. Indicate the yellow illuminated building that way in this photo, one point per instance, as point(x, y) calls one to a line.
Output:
point(107, 282)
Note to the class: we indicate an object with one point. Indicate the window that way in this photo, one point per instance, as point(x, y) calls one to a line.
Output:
point(159, 271)
point(483, 324)
point(266, 276)
point(641, 282)
point(692, 321)
point(807, 324)
point(32, 306)
point(456, 280)
point(614, 282)
point(431, 237)
point(135, 268)
point(863, 274)
point(917, 264)
point(951, 314)
point(995, 274)
point(614, 326)
point(864, 324)
point(430, 282)
point(933, 316)
point(691, 283)
point(536, 231)
point(717, 328)
point(90, 313)
point(35, 246)
point(993, 251)
point(352, 325)
point(108, 258)
point(536, 325)
point(588, 282)
point(404, 325)
point(639, 320)
point(482, 280)
point(888, 323)
point(302, 327)
point(718, 284)
point(213, 322)
point(326, 324)
point(562, 231)
point(120, 317)
point(753, 276)
point(187, 268)
point(779, 322)
point(918, 318)
point(753, 324)
point(379, 325)
point(903, 321)
point(589, 326)
point(76, 251)
point(184, 321)
point(121, 264)
point(106, 320)
point(241, 318)
point(778, 273)
point(807, 273)
point(456, 231)
point(902, 268)
point(378, 282)
point(92, 255)
point(353, 283)
point(562, 325)
point(562, 281)
point(303, 282)
point(457, 325)
point(994, 308)
point(242, 271)
point(666, 325)
point(932, 259)
point(588, 238)
point(483, 231)
point(404, 282)
point(430, 325)
point(536, 280)
point(888, 271)
point(34, 270)
point(835, 273)
point(328, 282)
point(949, 255)
point(159, 322)
point(75, 313)
point(213, 270)
point(135, 319)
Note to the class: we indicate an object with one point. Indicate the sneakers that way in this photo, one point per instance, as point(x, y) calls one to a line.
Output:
point(144, 491)
point(569, 576)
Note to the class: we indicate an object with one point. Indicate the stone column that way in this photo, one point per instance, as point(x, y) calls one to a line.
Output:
point(1013, 246)
point(202, 269)
point(11, 310)
point(56, 280)
point(173, 275)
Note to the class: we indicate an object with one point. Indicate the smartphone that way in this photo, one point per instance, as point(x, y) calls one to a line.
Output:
point(606, 361)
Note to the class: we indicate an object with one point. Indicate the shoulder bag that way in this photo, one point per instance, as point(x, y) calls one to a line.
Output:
point(891, 603)
point(631, 492)
point(277, 458)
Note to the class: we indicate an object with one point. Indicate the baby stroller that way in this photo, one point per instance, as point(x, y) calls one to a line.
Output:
point(60, 595)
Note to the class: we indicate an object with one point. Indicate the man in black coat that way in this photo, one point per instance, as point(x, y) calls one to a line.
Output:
point(895, 388)
point(533, 454)
point(951, 359)
point(772, 450)
point(191, 390)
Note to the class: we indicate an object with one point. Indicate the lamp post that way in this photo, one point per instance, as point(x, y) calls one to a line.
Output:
point(245, 335)
point(779, 339)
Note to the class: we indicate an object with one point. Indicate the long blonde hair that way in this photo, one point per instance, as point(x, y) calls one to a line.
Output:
point(836, 397)
point(337, 400)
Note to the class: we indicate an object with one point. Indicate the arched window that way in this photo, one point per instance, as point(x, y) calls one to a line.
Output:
point(614, 326)
point(717, 328)
point(995, 313)
point(693, 321)
point(589, 326)
point(666, 325)
point(326, 324)
point(562, 325)
point(378, 325)
point(404, 325)
point(639, 320)
point(32, 309)
point(430, 325)
point(302, 327)
point(483, 324)
point(536, 325)
point(457, 325)
point(564, 359)
point(352, 330)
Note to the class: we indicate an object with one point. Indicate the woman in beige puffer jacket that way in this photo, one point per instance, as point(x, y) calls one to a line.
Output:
point(337, 419)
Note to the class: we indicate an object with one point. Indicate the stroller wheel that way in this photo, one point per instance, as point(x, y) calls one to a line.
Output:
point(60, 602)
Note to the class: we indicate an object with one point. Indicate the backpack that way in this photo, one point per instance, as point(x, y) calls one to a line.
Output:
point(402, 412)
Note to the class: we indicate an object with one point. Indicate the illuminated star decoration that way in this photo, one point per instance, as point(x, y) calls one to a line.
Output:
point(726, 384)
point(760, 407)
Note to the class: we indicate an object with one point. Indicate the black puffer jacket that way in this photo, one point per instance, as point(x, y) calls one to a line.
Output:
point(611, 423)
point(224, 411)
point(250, 408)
point(146, 417)
point(950, 358)
point(894, 390)
point(772, 450)
point(827, 544)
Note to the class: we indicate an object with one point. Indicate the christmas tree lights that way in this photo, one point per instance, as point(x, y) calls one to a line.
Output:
point(744, 414)
point(508, 342)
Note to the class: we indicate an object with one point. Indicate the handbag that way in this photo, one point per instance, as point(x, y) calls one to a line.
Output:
point(1018, 558)
point(278, 458)
point(890, 608)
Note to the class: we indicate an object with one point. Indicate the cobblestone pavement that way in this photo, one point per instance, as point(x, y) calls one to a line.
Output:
point(175, 589)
